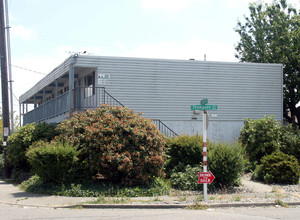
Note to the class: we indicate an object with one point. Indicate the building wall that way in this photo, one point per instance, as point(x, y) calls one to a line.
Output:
point(226, 131)
point(166, 89)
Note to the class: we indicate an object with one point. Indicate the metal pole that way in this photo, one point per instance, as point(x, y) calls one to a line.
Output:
point(71, 82)
point(205, 152)
point(9, 67)
point(5, 103)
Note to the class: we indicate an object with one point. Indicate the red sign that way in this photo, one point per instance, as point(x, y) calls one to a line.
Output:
point(206, 177)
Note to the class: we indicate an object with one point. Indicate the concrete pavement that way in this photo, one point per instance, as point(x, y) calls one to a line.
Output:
point(10, 194)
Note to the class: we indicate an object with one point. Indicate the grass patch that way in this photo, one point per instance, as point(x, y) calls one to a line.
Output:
point(95, 189)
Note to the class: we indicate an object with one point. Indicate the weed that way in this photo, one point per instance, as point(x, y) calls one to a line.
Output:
point(77, 207)
point(182, 198)
point(281, 203)
point(200, 198)
point(236, 198)
point(197, 206)
point(267, 196)
point(278, 195)
point(275, 189)
point(110, 200)
point(220, 198)
point(212, 198)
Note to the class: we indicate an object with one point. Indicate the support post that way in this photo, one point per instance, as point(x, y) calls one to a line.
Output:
point(4, 85)
point(205, 123)
point(21, 115)
point(9, 67)
point(56, 100)
point(71, 83)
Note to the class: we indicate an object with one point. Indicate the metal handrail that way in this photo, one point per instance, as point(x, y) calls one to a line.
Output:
point(112, 98)
point(165, 129)
point(88, 98)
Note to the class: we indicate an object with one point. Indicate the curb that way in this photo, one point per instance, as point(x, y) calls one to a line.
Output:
point(178, 206)
point(154, 206)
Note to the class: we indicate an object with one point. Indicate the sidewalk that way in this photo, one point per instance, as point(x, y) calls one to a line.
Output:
point(263, 196)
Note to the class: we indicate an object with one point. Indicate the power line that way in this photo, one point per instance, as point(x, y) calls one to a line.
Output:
point(34, 71)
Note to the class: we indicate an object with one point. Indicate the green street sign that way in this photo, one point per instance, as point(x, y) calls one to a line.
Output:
point(204, 101)
point(204, 107)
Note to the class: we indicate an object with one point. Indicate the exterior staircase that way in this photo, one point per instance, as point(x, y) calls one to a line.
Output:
point(103, 97)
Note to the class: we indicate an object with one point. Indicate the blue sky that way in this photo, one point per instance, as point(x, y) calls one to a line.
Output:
point(45, 32)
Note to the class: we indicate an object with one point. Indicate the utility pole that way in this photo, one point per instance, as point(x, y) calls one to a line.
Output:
point(9, 68)
point(4, 85)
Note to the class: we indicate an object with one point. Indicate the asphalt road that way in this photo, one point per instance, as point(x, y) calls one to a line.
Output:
point(8, 212)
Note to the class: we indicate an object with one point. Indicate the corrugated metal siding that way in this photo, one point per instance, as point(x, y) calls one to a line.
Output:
point(165, 89)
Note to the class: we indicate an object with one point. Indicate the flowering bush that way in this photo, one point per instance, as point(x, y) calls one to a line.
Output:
point(117, 143)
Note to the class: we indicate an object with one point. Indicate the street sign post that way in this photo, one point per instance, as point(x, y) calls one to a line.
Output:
point(205, 177)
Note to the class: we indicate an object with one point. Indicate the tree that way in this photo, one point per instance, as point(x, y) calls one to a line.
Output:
point(271, 35)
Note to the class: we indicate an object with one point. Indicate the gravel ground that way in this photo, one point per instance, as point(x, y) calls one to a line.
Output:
point(249, 192)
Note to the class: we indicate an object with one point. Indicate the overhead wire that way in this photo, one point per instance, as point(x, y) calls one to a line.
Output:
point(23, 68)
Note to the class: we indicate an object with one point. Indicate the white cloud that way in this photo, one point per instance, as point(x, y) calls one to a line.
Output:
point(169, 6)
point(24, 33)
point(194, 48)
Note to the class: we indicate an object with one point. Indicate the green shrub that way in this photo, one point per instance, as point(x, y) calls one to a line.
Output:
point(182, 151)
point(44, 131)
point(117, 143)
point(227, 163)
point(53, 162)
point(290, 141)
point(260, 137)
point(278, 167)
point(187, 179)
point(20, 141)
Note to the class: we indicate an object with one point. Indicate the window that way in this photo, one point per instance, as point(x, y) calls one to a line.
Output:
point(89, 82)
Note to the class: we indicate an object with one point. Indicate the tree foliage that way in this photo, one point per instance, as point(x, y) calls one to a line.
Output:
point(271, 34)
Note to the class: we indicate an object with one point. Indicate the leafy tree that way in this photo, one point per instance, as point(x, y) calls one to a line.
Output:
point(271, 34)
